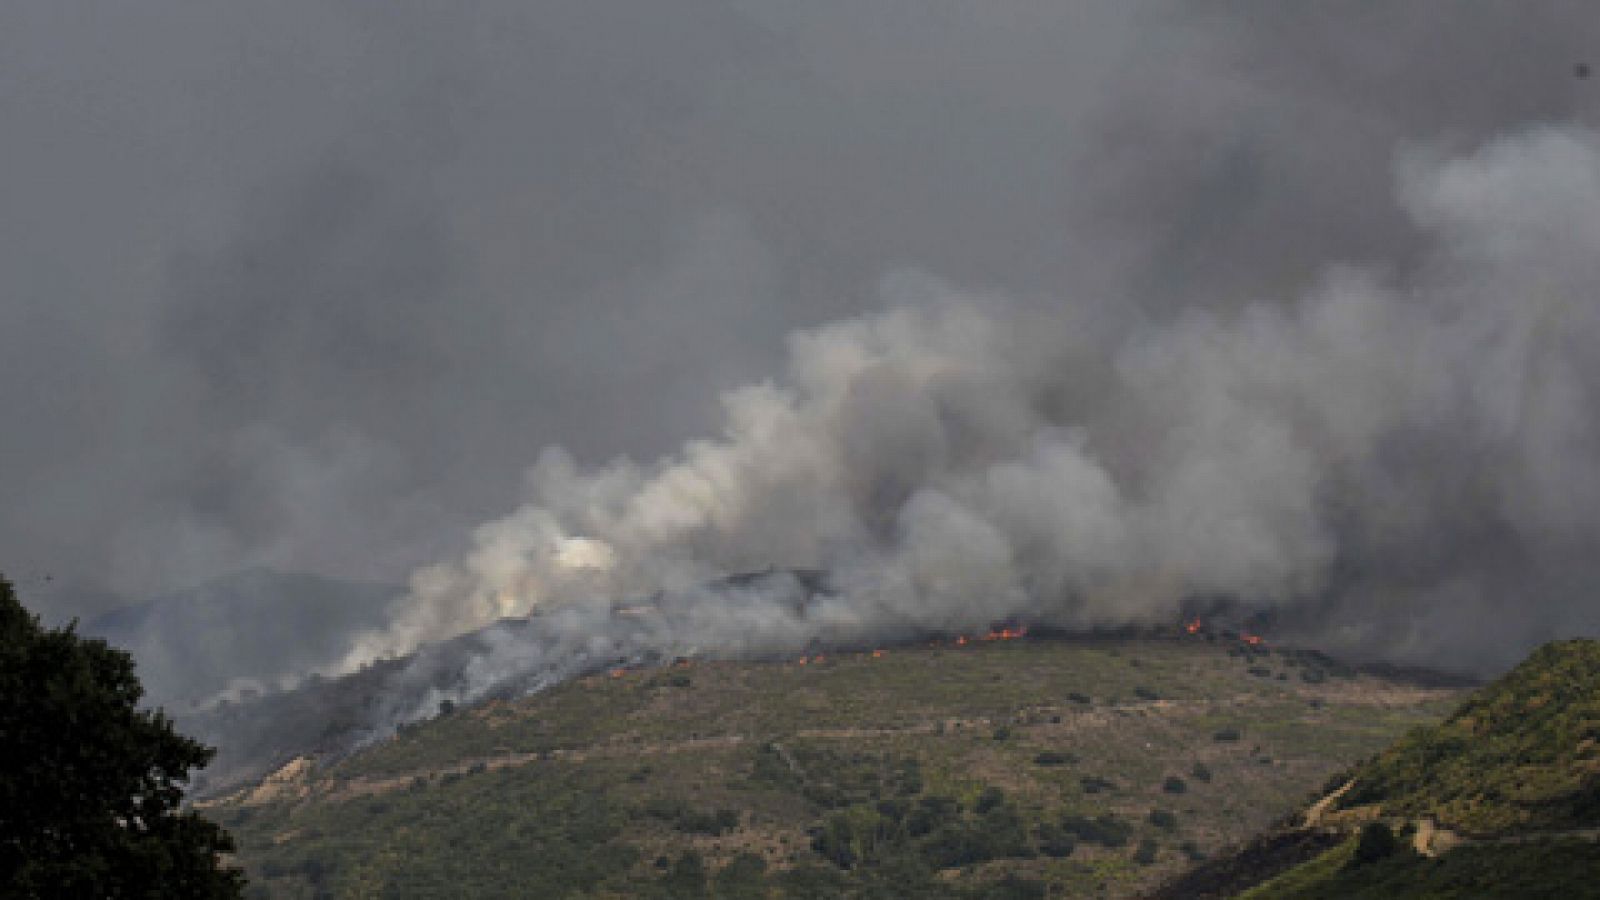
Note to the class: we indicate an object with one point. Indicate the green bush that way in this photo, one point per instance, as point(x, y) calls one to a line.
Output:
point(686, 880)
point(1106, 829)
point(971, 843)
point(1056, 842)
point(930, 813)
point(707, 822)
point(1377, 842)
point(1094, 784)
point(835, 842)
point(991, 798)
point(1015, 887)
point(741, 879)
point(692, 821)
point(1146, 853)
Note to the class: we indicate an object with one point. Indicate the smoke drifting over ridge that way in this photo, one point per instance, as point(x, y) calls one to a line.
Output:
point(309, 286)
point(1396, 457)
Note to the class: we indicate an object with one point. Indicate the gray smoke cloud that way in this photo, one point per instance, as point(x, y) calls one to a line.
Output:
point(1396, 451)
point(307, 285)
point(1285, 303)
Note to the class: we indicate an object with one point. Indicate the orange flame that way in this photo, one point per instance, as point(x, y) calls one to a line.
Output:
point(961, 641)
point(1193, 627)
point(877, 654)
point(618, 673)
point(1253, 640)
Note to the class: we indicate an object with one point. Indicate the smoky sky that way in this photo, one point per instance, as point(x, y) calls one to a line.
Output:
point(312, 285)
point(308, 285)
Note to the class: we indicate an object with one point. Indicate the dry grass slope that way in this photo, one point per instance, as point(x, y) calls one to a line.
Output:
point(1006, 768)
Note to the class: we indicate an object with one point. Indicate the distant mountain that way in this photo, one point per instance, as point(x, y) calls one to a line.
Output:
point(256, 627)
point(952, 768)
point(1502, 799)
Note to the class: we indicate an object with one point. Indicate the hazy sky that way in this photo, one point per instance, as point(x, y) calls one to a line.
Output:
point(311, 284)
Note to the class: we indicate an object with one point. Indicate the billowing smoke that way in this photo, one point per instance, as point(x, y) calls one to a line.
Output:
point(1284, 303)
point(1386, 459)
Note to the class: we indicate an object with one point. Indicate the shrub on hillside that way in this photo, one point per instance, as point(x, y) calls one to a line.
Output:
point(1106, 829)
point(741, 879)
point(1093, 784)
point(930, 813)
point(991, 799)
point(1377, 842)
point(1056, 842)
point(835, 842)
point(1146, 853)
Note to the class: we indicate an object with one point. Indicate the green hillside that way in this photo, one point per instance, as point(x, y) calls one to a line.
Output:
point(1521, 754)
point(1502, 799)
point(1547, 869)
point(993, 769)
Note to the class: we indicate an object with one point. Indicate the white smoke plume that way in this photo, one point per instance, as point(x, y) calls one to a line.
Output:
point(1385, 459)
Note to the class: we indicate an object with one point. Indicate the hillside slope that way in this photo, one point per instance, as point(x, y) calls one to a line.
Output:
point(1086, 767)
point(1502, 799)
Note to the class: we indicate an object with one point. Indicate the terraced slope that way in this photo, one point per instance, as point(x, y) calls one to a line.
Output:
point(1003, 768)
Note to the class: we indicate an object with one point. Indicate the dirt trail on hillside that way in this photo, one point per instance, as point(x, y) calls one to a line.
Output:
point(1433, 841)
point(308, 784)
point(1430, 838)
point(1320, 808)
point(303, 782)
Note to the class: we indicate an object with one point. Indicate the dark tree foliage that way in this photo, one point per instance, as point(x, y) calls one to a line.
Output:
point(91, 786)
point(1146, 853)
point(991, 798)
point(1056, 842)
point(742, 879)
point(686, 880)
point(1377, 842)
point(1164, 818)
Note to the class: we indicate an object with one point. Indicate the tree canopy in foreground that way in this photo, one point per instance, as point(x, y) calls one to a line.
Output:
point(90, 792)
